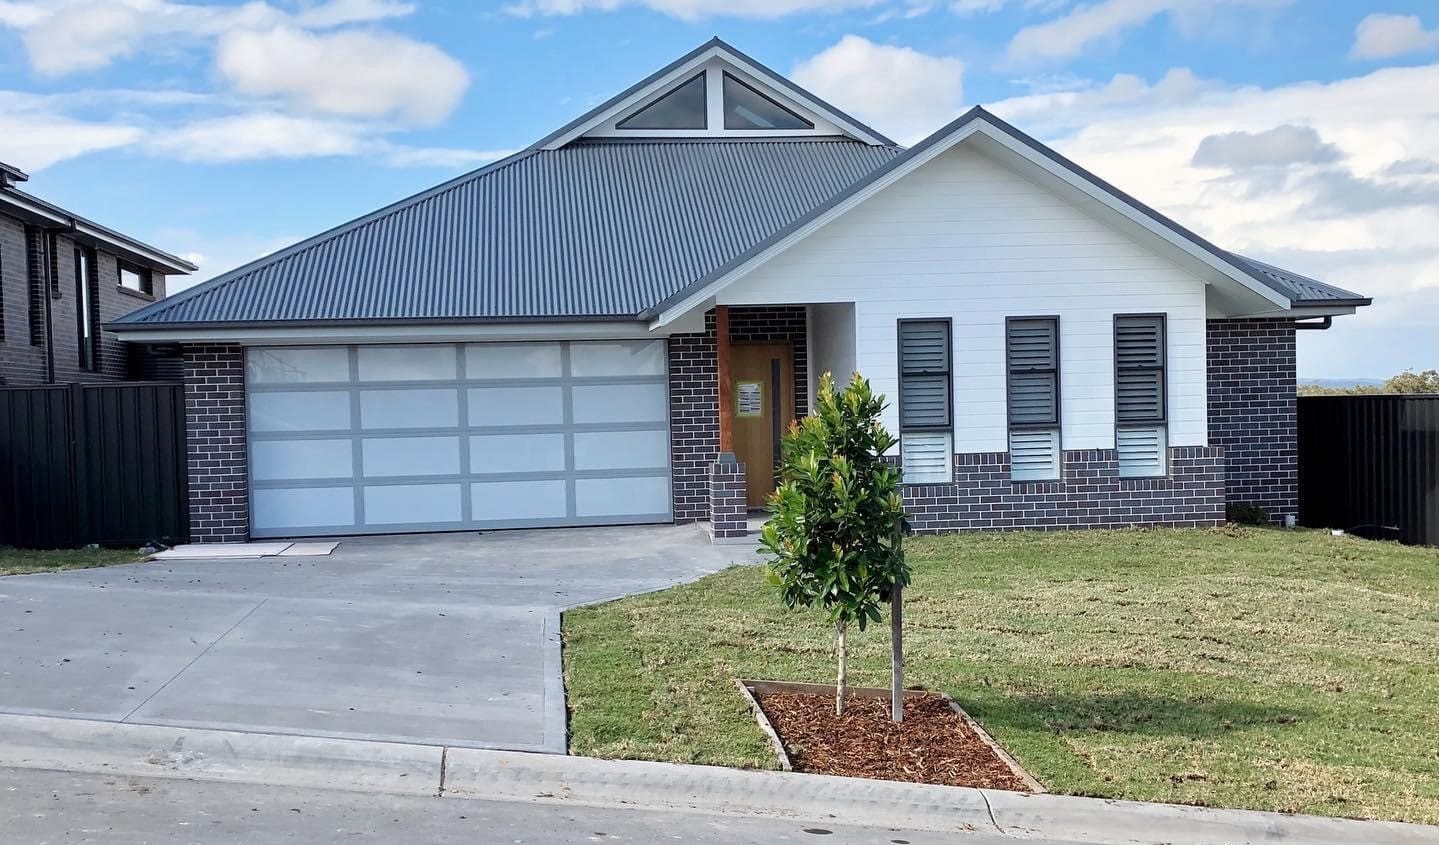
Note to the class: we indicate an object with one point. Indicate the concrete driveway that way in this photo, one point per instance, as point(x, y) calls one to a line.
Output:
point(446, 639)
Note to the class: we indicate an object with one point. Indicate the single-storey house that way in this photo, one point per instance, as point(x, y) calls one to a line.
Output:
point(617, 324)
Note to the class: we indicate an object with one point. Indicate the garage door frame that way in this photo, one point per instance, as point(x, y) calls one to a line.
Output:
point(462, 384)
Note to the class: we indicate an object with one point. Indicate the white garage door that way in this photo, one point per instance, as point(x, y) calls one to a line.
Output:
point(382, 439)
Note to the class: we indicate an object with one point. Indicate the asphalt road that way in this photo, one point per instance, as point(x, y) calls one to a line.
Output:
point(42, 807)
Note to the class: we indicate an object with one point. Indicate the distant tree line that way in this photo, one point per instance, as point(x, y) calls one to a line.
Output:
point(1409, 381)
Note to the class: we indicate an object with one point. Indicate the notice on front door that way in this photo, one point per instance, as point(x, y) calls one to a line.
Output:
point(749, 399)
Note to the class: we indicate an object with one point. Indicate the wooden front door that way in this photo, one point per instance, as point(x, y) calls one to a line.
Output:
point(762, 375)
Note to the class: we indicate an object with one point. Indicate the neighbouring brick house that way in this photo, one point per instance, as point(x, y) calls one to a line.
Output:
point(615, 326)
point(61, 278)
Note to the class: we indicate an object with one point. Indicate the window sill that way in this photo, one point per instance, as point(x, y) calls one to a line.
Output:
point(138, 294)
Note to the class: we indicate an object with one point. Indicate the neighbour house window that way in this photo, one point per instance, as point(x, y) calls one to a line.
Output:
point(1140, 395)
point(683, 108)
point(746, 108)
point(1032, 361)
point(85, 307)
point(136, 279)
point(926, 390)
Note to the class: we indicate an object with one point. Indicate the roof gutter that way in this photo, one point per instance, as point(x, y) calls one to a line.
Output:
point(1322, 324)
point(52, 215)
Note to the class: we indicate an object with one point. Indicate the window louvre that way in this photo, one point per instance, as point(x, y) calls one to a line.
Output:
point(1032, 366)
point(1140, 395)
point(926, 389)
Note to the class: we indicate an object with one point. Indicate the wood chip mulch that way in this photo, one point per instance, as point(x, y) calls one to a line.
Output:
point(932, 745)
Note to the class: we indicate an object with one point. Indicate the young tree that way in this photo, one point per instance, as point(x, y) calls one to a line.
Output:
point(834, 541)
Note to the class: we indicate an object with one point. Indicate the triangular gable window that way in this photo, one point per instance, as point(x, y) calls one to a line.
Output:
point(682, 108)
point(746, 108)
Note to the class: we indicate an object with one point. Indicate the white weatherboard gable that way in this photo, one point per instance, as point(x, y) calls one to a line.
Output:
point(968, 238)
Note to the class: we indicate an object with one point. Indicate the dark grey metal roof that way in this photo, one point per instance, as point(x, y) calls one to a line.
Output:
point(595, 229)
point(1301, 290)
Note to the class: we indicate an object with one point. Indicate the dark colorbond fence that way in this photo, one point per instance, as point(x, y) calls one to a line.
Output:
point(92, 463)
point(1370, 465)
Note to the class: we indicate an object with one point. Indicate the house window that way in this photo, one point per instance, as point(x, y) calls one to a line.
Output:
point(85, 307)
point(683, 108)
point(1032, 361)
point(746, 108)
point(137, 279)
point(926, 388)
point(1141, 435)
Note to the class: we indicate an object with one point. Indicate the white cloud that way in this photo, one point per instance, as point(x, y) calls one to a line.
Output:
point(258, 135)
point(1364, 221)
point(67, 36)
point(1381, 36)
point(689, 10)
point(1069, 35)
point(36, 135)
point(355, 74)
point(900, 91)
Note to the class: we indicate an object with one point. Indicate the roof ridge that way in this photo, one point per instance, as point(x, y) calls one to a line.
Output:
point(224, 279)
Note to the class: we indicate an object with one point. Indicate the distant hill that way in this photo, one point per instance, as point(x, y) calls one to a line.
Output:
point(1342, 382)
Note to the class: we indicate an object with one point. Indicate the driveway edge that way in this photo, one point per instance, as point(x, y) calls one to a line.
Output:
point(80, 745)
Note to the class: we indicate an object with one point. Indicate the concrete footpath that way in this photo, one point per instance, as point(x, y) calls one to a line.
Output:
point(72, 745)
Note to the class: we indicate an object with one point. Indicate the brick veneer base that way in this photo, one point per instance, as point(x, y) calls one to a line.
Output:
point(1252, 411)
point(1091, 494)
point(215, 429)
point(729, 516)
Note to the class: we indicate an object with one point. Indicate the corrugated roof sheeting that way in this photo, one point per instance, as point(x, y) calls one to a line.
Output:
point(590, 230)
point(1299, 289)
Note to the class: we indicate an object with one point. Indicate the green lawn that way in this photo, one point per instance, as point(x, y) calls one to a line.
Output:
point(1252, 668)
point(28, 561)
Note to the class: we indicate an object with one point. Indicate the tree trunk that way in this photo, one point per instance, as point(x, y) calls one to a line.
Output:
point(839, 689)
point(896, 655)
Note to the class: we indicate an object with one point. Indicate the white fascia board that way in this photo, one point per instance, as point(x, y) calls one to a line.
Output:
point(1298, 312)
point(679, 74)
point(776, 249)
point(417, 333)
point(1128, 212)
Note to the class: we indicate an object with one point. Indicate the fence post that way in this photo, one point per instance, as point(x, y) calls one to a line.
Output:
point(79, 464)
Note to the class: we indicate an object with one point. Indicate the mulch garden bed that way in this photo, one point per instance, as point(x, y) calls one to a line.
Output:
point(933, 744)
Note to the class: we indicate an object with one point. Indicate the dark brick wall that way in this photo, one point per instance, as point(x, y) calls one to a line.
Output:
point(1252, 411)
point(729, 514)
point(21, 302)
point(1090, 495)
point(694, 400)
point(215, 428)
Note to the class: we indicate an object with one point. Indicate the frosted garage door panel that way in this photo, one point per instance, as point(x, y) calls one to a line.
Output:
point(621, 450)
point(517, 453)
point(304, 365)
point(518, 500)
point(496, 406)
point(307, 411)
point(408, 363)
point(621, 496)
point(313, 507)
point(412, 504)
point(433, 408)
point(621, 403)
point(512, 361)
point(398, 456)
point(276, 460)
point(617, 358)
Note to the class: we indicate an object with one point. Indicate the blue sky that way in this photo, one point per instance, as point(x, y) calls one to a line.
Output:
point(225, 130)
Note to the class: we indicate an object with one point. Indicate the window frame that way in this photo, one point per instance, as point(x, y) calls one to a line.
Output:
point(1162, 422)
point(1057, 426)
point(948, 373)
point(86, 320)
point(703, 77)
point(1162, 367)
point(145, 274)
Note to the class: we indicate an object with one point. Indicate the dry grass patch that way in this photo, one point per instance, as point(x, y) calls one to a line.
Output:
point(31, 561)
point(1248, 668)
